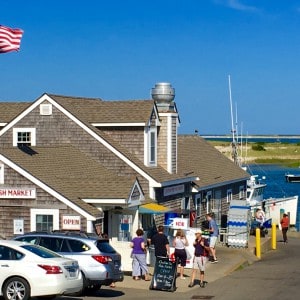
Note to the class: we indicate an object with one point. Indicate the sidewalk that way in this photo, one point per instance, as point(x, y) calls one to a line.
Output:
point(229, 260)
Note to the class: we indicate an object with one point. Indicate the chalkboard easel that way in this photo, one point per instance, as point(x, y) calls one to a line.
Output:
point(164, 277)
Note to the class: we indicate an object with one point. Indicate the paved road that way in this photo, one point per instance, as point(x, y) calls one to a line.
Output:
point(275, 276)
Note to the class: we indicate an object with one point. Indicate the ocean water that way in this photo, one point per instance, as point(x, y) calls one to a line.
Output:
point(276, 183)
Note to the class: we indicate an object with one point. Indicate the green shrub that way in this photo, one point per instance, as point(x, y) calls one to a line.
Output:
point(258, 147)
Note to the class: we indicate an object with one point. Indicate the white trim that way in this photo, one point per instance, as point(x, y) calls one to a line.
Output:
point(46, 188)
point(104, 201)
point(169, 143)
point(45, 109)
point(174, 114)
point(3, 124)
point(117, 124)
point(32, 135)
point(229, 193)
point(45, 97)
point(36, 211)
point(1, 173)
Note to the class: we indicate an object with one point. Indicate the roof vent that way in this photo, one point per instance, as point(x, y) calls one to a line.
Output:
point(46, 109)
point(163, 92)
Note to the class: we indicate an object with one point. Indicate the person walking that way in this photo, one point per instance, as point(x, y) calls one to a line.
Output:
point(213, 236)
point(139, 263)
point(285, 223)
point(161, 243)
point(179, 243)
point(200, 258)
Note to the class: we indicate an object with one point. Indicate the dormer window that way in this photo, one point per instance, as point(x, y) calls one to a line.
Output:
point(151, 147)
point(24, 136)
point(152, 157)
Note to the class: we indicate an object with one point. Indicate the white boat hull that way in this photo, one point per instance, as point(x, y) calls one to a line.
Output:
point(275, 207)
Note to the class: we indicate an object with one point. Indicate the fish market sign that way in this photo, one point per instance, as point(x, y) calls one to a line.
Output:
point(17, 193)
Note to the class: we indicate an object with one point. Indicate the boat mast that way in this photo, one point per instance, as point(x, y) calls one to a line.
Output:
point(234, 144)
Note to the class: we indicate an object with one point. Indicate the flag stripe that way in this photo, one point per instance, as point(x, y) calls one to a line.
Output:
point(10, 39)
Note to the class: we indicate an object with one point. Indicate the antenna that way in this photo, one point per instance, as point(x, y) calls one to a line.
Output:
point(234, 151)
point(230, 99)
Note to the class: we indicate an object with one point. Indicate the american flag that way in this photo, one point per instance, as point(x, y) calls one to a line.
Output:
point(10, 39)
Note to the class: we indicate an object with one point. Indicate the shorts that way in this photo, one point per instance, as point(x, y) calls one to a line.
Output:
point(213, 241)
point(199, 263)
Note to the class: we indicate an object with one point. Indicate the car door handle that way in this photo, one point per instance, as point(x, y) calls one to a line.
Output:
point(5, 266)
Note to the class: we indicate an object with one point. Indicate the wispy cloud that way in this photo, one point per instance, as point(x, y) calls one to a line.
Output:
point(237, 4)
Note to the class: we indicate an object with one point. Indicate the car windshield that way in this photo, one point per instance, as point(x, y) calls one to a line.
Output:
point(105, 247)
point(40, 251)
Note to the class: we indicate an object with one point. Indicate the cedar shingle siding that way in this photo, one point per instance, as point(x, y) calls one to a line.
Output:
point(93, 150)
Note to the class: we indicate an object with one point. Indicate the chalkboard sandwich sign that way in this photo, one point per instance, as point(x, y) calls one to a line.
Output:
point(164, 277)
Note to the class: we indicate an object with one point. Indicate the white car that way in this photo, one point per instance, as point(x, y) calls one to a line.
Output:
point(28, 270)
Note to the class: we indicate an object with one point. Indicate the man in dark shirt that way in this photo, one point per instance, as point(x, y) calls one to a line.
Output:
point(161, 243)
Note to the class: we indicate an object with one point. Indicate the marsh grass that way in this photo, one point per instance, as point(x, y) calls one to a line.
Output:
point(273, 153)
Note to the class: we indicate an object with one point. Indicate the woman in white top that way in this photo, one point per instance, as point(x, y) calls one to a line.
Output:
point(179, 243)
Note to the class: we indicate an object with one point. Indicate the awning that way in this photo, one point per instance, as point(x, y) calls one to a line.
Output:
point(153, 208)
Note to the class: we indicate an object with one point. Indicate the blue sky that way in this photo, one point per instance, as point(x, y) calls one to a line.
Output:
point(118, 50)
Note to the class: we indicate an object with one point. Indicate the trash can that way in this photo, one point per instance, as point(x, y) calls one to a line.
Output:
point(151, 256)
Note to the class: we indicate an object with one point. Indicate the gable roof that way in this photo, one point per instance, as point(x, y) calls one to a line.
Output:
point(95, 110)
point(127, 110)
point(71, 173)
point(9, 110)
point(83, 109)
point(196, 155)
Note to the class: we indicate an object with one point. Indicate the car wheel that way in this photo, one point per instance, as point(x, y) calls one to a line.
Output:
point(16, 288)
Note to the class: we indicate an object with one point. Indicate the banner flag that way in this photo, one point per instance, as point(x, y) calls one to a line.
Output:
point(10, 39)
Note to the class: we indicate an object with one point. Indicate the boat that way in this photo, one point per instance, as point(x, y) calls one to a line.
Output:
point(272, 207)
point(292, 177)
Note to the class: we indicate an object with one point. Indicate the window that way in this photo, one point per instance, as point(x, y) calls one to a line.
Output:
point(229, 195)
point(78, 246)
point(1, 173)
point(24, 136)
point(7, 253)
point(241, 192)
point(44, 219)
point(185, 203)
point(150, 147)
point(44, 222)
point(198, 205)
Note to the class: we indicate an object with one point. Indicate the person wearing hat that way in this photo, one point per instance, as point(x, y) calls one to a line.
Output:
point(200, 258)
point(285, 223)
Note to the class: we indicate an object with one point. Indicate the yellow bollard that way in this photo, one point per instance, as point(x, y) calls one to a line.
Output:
point(257, 241)
point(273, 236)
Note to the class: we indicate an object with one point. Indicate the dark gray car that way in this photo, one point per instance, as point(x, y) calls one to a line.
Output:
point(99, 262)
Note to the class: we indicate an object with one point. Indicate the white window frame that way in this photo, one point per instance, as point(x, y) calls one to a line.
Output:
point(242, 192)
point(1, 173)
point(35, 211)
point(229, 195)
point(198, 205)
point(151, 132)
point(186, 203)
point(208, 201)
point(19, 130)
